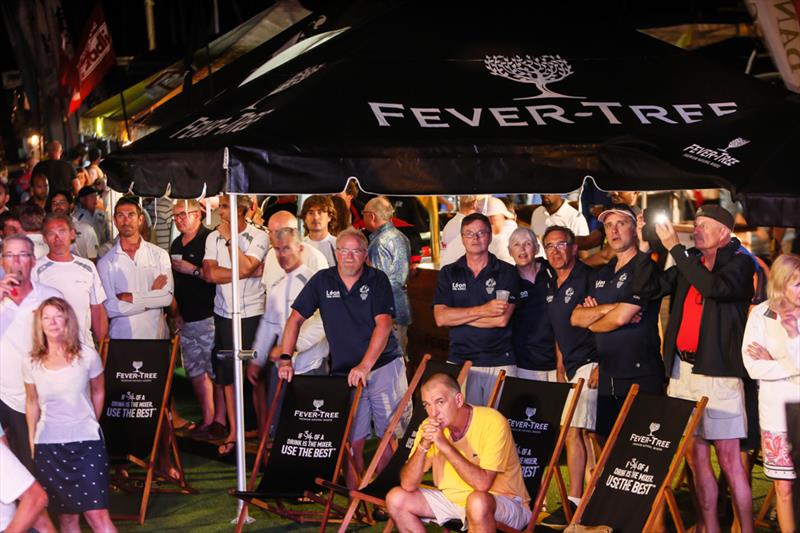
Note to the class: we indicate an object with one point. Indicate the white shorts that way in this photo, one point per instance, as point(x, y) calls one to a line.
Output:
point(512, 512)
point(585, 416)
point(724, 417)
point(538, 375)
point(385, 388)
point(481, 381)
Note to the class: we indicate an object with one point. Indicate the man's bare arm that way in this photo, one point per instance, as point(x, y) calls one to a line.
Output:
point(619, 316)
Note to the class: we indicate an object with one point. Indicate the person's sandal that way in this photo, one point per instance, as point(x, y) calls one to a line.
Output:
point(226, 448)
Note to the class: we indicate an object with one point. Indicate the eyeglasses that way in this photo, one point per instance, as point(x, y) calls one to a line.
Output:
point(21, 255)
point(350, 251)
point(560, 245)
point(476, 234)
point(184, 214)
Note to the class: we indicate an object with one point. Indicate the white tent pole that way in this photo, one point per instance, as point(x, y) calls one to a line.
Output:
point(236, 318)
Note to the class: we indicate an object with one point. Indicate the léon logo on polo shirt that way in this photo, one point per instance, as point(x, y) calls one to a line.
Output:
point(458, 286)
point(599, 284)
point(332, 294)
point(568, 295)
point(490, 284)
point(650, 440)
point(364, 292)
point(549, 298)
point(622, 279)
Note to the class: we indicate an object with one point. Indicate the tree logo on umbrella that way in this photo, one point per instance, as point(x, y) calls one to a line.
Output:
point(539, 71)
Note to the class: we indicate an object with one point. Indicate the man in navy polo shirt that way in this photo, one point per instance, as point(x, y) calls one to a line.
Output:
point(357, 309)
point(467, 302)
point(576, 348)
point(622, 310)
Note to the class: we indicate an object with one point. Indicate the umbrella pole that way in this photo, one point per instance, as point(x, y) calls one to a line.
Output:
point(236, 320)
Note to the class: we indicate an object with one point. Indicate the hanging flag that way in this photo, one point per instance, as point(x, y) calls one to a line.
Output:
point(95, 56)
point(779, 21)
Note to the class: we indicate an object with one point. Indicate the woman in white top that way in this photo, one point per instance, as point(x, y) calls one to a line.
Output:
point(64, 391)
point(771, 352)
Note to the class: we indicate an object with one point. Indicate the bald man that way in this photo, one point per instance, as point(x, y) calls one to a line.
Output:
point(59, 173)
point(310, 256)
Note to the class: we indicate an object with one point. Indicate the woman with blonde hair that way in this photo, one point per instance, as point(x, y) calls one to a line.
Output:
point(64, 391)
point(771, 352)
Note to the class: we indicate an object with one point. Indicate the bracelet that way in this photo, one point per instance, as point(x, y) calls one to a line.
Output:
point(423, 449)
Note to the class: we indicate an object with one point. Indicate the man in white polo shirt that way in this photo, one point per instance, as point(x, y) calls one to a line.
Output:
point(556, 211)
point(311, 257)
point(19, 298)
point(319, 216)
point(75, 277)
point(137, 278)
point(217, 269)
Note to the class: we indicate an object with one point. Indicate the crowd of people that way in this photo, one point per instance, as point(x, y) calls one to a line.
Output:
point(323, 290)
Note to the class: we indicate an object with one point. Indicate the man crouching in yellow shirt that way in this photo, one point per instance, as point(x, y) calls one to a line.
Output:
point(475, 467)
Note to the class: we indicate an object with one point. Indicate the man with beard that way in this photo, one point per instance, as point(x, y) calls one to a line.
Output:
point(137, 278)
point(555, 211)
point(39, 191)
point(622, 311)
point(75, 277)
point(319, 216)
point(356, 305)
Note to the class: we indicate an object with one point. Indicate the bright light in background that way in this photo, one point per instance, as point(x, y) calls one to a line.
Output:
point(661, 218)
point(98, 127)
point(34, 140)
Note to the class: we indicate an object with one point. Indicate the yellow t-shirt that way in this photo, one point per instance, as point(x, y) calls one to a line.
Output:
point(487, 443)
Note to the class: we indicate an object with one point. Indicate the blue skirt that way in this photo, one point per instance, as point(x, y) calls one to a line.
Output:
point(74, 475)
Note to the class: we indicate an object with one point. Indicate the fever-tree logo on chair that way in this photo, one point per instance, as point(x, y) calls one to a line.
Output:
point(538, 70)
point(137, 365)
point(529, 412)
point(318, 404)
point(654, 426)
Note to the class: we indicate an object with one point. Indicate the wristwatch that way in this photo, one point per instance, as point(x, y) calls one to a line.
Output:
point(285, 357)
point(196, 272)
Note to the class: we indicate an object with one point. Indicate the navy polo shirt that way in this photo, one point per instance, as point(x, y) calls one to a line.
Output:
point(632, 350)
point(577, 344)
point(349, 316)
point(457, 287)
point(532, 333)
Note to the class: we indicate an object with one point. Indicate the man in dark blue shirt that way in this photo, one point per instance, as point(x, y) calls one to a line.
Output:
point(475, 298)
point(622, 311)
point(576, 348)
point(357, 307)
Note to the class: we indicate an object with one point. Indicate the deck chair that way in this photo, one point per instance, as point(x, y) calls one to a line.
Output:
point(310, 441)
point(534, 410)
point(374, 490)
point(641, 457)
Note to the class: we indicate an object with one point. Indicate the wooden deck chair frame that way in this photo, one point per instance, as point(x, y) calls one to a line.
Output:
point(262, 456)
point(553, 470)
point(665, 490)
point(357, 497)
point(123, 481)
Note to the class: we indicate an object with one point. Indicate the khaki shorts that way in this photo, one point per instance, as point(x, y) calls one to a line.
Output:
point(385, 388)
point(585, 416)
point(481, 381)
point(512, 512)
point(724, 417)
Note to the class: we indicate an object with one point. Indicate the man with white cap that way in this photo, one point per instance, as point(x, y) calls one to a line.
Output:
point(622, 310)
point(711, 288)
point(503, 225)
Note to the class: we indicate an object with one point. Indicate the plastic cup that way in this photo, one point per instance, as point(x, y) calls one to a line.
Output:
point(176, 257)
point(502, 295)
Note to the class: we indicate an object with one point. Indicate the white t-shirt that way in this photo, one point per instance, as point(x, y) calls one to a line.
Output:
point(253, 242)
point(16, 342)
point(499, 244)
point(312, 346)
point(326, 246)
point(65, 399)
point(144, 317)
point(310, 256)
point(80, 284)
point(85, 244)
point(13, 483)
point(452, 231)
point(566, 216)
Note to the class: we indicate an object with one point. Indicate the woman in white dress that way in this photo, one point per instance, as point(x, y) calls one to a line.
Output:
point(771, 352)
point(64, 398)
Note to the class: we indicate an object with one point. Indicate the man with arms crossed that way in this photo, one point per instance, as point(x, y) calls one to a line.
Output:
point(356, 305)
point(465, 302)
point(475, 465)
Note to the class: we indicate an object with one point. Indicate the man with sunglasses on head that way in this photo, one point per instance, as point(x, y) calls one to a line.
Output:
point(356, 304)
point(467, 301)
point(711, 286)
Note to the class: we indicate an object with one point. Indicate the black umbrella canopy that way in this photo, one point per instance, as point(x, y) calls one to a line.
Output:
point(502, 98)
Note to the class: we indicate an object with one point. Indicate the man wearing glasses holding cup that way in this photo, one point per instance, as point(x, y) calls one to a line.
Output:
point(469, 300)
point(356, 304)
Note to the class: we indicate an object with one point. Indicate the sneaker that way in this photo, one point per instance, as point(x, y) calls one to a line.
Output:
point(558, 518)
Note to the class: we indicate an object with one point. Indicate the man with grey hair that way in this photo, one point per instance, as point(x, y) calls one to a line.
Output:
point(532, 334)
point(19, 298)
point(356, 304)
point(390, 252)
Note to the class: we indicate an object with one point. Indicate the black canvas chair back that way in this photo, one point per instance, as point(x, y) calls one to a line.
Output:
point(793, 428)
point(638, 463)
point(390, 476)
point(309, 436)
point(533, 410)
